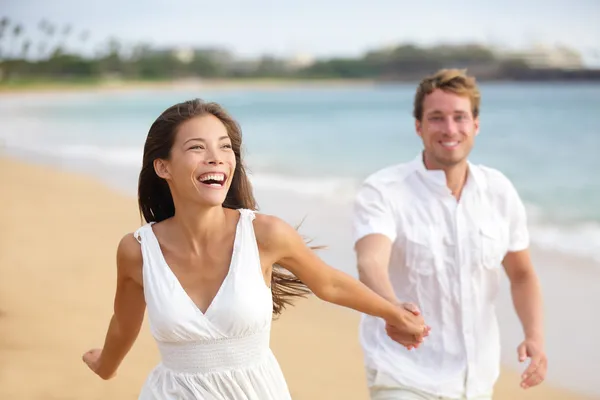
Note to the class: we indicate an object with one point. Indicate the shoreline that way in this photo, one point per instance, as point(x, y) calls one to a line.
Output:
point(214, 84)
point(108, 86)
point(51, 263)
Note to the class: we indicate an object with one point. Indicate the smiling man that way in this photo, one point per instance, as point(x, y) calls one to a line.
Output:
point(436, 232)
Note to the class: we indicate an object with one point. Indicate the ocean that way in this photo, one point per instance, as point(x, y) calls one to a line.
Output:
point(323, 141)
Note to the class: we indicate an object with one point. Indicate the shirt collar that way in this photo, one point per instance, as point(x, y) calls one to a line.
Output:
point(436, 178)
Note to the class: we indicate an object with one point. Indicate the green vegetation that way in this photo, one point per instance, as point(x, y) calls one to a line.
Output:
point(24, 62)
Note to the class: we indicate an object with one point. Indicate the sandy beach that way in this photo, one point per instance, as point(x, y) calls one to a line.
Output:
point(57, 269)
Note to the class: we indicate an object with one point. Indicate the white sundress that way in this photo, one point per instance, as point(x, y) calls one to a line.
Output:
point(224, 353)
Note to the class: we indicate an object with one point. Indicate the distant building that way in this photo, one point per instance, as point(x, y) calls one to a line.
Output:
point(188, 54)
point(542, 56)
point(184, 55)
point(300, 61)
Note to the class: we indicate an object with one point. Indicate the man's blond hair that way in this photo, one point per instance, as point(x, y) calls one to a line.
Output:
point(449, 80)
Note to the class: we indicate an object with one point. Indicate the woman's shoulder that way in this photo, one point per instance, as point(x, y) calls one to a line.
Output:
point(269, 224)
point(129, 252)
point(273, 231)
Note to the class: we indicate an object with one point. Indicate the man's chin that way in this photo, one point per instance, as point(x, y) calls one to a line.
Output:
point(450, 159)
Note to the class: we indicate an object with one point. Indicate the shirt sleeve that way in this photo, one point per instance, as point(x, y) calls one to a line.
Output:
point(372, 213)
point(517, 218)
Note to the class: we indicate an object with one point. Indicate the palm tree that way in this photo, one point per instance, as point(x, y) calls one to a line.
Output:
point(83, 38)
point(42, 26)
point(41, 48)
point(67, 29)
point(4, 22)
point(25, 48)
point(17, 30)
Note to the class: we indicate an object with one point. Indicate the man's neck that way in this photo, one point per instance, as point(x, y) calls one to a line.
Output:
point(456, 175)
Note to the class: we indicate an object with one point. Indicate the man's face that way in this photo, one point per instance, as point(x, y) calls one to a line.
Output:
point(447, 128)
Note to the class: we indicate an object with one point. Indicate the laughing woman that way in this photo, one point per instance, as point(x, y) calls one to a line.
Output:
point(212, 272)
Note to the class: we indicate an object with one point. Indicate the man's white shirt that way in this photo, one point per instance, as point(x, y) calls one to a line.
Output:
point(447, 259)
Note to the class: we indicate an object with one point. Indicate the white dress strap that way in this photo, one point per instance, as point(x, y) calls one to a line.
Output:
point(247, 213)
point(137, 235)
point(247, 252)
point(140, 233)
point(149, 256)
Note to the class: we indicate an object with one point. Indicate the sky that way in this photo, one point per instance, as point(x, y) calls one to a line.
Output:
point(321, 28)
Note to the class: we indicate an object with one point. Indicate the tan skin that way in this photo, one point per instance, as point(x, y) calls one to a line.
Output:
point(448, 129)
point(197, 244)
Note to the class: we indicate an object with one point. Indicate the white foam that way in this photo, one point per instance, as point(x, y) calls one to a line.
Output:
point(580, 239)
point(332, 189)
point(113, 156)
point(127, 157)
point(577, 239)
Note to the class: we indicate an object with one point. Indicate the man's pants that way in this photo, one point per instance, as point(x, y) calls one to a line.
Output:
point(385, 388)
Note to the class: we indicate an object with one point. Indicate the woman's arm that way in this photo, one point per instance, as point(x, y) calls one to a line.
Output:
point(287, 248)
point(129, 306)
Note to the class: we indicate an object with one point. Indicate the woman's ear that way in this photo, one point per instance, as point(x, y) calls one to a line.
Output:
point(162, 169)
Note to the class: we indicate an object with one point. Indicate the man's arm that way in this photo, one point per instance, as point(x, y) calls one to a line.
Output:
point(374, 231)
point(525, 290)
point(526, 293)
point(527, 299)
point(373, 254)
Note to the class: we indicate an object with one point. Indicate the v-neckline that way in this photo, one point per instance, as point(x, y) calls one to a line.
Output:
point(178, 282)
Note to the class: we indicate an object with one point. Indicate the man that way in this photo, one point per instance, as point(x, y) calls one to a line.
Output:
point(434, 233)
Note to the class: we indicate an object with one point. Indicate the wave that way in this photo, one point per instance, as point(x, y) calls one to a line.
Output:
point(580, 239)
point(127, 157)
point(333, 189)
point(112, 156)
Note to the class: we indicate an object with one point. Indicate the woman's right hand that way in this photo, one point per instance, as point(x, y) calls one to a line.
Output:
point(409, 327)
point(92, 359)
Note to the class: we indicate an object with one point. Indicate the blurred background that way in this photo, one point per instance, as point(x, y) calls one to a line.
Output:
point(323, 91)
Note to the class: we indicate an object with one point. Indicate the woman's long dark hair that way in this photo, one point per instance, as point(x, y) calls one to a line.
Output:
point(156, 202)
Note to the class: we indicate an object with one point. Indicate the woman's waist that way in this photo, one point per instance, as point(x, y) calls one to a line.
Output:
point(199, 356)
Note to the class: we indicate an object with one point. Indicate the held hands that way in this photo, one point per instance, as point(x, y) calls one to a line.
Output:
point(536, 371)
point(409, 329)
point(92, 359)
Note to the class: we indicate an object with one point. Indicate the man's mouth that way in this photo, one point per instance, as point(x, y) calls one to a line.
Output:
point(449, 144)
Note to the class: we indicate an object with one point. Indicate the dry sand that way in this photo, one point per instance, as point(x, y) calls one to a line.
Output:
point(58, 237)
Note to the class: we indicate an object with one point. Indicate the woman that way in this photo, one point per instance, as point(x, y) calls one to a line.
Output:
point(212, 272)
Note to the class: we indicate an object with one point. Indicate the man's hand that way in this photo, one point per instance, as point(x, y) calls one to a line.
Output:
point(536, 371)
point(411, 307)
point(409, 341)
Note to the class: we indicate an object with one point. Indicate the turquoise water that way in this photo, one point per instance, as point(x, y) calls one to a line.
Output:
point(323, 141)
